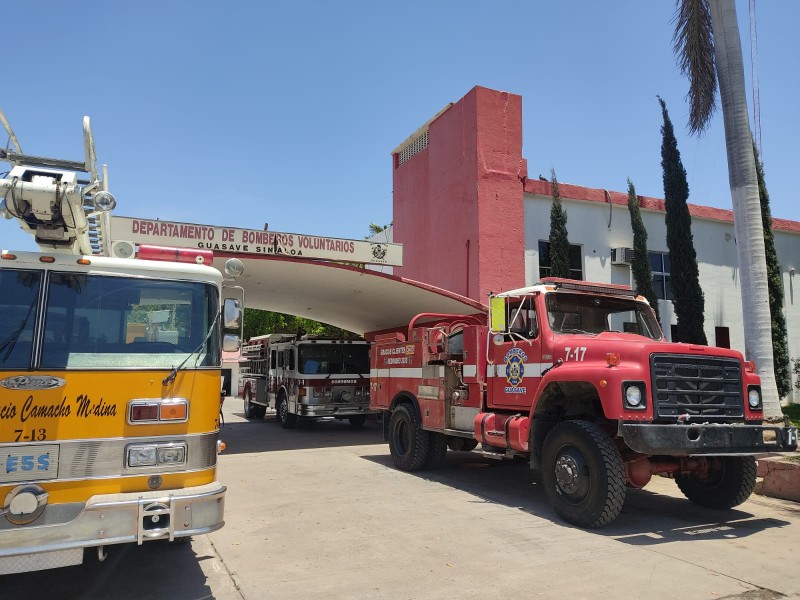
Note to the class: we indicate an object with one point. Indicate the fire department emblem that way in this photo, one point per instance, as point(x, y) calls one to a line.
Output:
point(515, 366)
point(379, 251)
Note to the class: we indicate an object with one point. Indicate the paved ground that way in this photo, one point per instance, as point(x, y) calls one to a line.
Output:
point(319, 512)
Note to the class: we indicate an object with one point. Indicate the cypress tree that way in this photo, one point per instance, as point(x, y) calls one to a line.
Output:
point(559, 243)
point(780, 343)
point(687, 295)
point(642, 273)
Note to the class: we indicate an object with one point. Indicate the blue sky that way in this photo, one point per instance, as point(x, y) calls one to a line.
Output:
point(245, 113)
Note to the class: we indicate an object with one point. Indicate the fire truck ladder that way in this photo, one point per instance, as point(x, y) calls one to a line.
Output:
point(53, 200)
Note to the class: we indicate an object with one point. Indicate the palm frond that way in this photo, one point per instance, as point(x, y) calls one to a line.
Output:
point(693, 43)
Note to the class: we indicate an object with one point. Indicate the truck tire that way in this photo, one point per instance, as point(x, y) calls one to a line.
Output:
point(250, 409)
point(357, 421)
point(437, 450)
point(583, 474)
point(285, 418)
point(730, 482)
point(408, 442)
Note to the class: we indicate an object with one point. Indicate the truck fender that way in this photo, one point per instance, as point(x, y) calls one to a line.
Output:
point(401, 398)
point(557, 399)
point(406, 398)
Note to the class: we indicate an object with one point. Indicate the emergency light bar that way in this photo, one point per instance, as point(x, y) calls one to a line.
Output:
point(611, 289)
point(184, 255)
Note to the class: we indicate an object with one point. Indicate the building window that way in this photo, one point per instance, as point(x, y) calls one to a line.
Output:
point(722, 336)
point(575, 261)
point(659, 264)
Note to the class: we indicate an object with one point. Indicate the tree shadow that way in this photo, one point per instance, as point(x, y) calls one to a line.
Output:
point(647, 518)
point(266, 435)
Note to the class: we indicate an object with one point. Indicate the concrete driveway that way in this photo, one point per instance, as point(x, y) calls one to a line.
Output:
point(320, 512)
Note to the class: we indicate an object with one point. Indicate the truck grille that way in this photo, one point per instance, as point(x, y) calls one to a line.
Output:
point(699, 386)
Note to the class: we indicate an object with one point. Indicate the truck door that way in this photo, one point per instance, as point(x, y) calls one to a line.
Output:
point(515, 368)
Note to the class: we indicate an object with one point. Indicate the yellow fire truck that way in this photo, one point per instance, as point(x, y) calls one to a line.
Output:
point(109, 375)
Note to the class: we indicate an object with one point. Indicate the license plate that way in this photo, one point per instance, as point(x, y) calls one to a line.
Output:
point(28, 463)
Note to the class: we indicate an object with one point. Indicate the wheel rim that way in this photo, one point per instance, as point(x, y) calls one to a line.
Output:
point(572, 474)
point(402, 437)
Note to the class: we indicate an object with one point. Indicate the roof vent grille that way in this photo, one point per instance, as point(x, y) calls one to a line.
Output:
point(415, 146)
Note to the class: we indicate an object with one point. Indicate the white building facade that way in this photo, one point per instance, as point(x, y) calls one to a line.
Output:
point(598, 228)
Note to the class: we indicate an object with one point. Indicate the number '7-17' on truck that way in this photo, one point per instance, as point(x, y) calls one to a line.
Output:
point(576, 378)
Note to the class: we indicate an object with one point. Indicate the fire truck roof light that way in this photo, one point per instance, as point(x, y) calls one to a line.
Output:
point(614, 290)
point(84, 261)
point(9, 256)
point(47, 259)
point(184, 255)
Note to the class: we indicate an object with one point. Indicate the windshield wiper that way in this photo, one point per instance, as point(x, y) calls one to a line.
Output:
point(11, 341)
point(573, 330)
point(174, 373)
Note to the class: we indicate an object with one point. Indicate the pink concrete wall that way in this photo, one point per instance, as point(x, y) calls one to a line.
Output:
point(458, 204)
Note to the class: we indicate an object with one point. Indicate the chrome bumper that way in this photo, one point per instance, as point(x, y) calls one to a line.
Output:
point(113, 519)
point(332, 410)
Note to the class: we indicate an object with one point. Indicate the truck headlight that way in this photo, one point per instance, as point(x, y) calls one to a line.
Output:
point(141, 456)
point(152, 455)
point(754, 397)
point(171, 455)
point(633, 395)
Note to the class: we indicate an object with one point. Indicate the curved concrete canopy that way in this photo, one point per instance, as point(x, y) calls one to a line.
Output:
point(358, 300)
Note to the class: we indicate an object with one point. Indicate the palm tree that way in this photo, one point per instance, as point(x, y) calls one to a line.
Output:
point(710, 50)
point(375, 229)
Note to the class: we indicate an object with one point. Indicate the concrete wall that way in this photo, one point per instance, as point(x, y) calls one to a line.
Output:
point(458, 207)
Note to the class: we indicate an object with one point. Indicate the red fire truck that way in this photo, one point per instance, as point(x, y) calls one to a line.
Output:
point(577, 378)
point(305, 376)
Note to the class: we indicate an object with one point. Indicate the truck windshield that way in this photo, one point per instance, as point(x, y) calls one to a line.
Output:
point(583, 313)
point(97, 321)
point(19, 295)
point(333, 359)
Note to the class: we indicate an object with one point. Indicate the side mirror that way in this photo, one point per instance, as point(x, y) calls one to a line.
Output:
point(231, 314)
point(533, 324)
point(497, 314)
point(231, 342)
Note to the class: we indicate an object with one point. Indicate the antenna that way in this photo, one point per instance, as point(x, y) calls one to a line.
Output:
point(754, 67)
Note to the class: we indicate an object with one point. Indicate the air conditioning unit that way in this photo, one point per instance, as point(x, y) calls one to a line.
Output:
point(621, 256)
point(122, 249)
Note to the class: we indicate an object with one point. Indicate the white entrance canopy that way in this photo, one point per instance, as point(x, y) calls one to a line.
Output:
point(292, 273)
point(355, 299)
